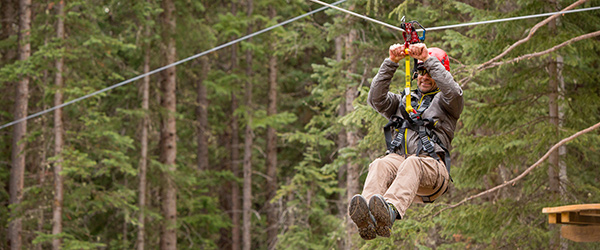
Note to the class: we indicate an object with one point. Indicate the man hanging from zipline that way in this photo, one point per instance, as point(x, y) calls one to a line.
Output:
point(416, 166)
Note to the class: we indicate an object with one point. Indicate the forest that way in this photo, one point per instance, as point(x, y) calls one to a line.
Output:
point(244, 124)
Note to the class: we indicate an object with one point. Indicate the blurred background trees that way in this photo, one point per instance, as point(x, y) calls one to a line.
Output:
point(259, 145)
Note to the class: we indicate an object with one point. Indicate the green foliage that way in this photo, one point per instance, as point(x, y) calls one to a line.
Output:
point(503, 130)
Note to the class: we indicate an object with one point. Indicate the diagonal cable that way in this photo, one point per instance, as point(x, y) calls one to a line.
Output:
point(167, 66)
point(456, 25)
point(359, 15)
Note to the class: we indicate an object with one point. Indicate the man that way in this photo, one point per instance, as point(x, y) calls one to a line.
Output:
point(416, 167)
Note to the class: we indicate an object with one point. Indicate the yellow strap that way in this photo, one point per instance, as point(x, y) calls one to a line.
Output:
point(409, 108)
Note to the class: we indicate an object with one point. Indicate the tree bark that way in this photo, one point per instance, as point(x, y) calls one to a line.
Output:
point(143, 167)
point(168, 153)
point(43, 153)
point(58, 134)
point(341, 142)
point(272, 216)
point(202, 116)
point(17, 170)
point(236, 205)
point(352, 169)
point(339, 51)
point(248, 134)
point(562, 151)
point(125, 240)
point(553, 182)
point(557, 173)
point(555, 163)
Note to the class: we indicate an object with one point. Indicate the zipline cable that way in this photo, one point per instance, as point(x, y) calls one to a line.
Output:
point(167, 66)
point(513, 18)
point(359, 15)
point(455, 25)
point(326, 5)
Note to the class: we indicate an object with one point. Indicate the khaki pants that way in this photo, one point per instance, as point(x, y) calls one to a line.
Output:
point(400, 179)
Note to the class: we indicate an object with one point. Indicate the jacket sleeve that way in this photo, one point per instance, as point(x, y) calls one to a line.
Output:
point(380, 99)
point(452, 101)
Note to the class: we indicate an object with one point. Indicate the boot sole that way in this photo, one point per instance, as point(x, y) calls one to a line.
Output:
point(359, 213)
point(381, 212)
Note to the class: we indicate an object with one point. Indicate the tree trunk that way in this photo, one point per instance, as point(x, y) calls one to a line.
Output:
point(247, 189)
point(339, 48)
point(125, 240)
point(272, 216)
point(553, 182)
point(557, 172)
point(236, 205)
point(58, 134)
point(17, 170)
point(143, 167)
point(43, 159)
point(341, 142)
point(562, 150)
point(202, 116)
point(554, 160)
point(352, 170)
point(168, 152)
point(555, 82)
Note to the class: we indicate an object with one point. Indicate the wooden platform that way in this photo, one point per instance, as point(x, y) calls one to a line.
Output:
point(580, 223)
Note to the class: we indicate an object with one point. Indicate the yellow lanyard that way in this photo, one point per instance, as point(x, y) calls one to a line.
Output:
point(409, 108)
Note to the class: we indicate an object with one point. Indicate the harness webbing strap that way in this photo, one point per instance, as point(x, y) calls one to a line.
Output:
point(431, 198)
point(426, 101)
point(412, 121)
point(426, 143)
point(447, 159)
point(392, 143)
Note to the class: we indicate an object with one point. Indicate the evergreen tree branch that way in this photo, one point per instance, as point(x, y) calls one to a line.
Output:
point(527, 171)
point(531, 32)
point(536, 54)
point(486, 65)
point(465, 80)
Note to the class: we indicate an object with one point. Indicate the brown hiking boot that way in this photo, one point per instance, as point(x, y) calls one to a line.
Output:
point(385, 214)
point(359, 213)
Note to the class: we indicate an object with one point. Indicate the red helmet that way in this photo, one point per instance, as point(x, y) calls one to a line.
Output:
point(440, 55)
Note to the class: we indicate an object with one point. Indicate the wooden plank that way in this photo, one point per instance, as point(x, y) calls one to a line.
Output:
point(590, 212)
point(576, 218)
point(571, 208)
point(581, 233)
point(554, 218)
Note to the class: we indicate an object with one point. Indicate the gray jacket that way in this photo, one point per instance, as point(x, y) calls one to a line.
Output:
point(445, 108)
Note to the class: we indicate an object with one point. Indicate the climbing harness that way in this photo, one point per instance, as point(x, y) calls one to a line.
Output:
point(424, 127)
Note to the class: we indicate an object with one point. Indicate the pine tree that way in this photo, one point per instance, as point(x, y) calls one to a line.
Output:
point(17, 171)
point(248, 140)
point(271, 151)
point(168, 136)
point(145, 124)
point(57, 209)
